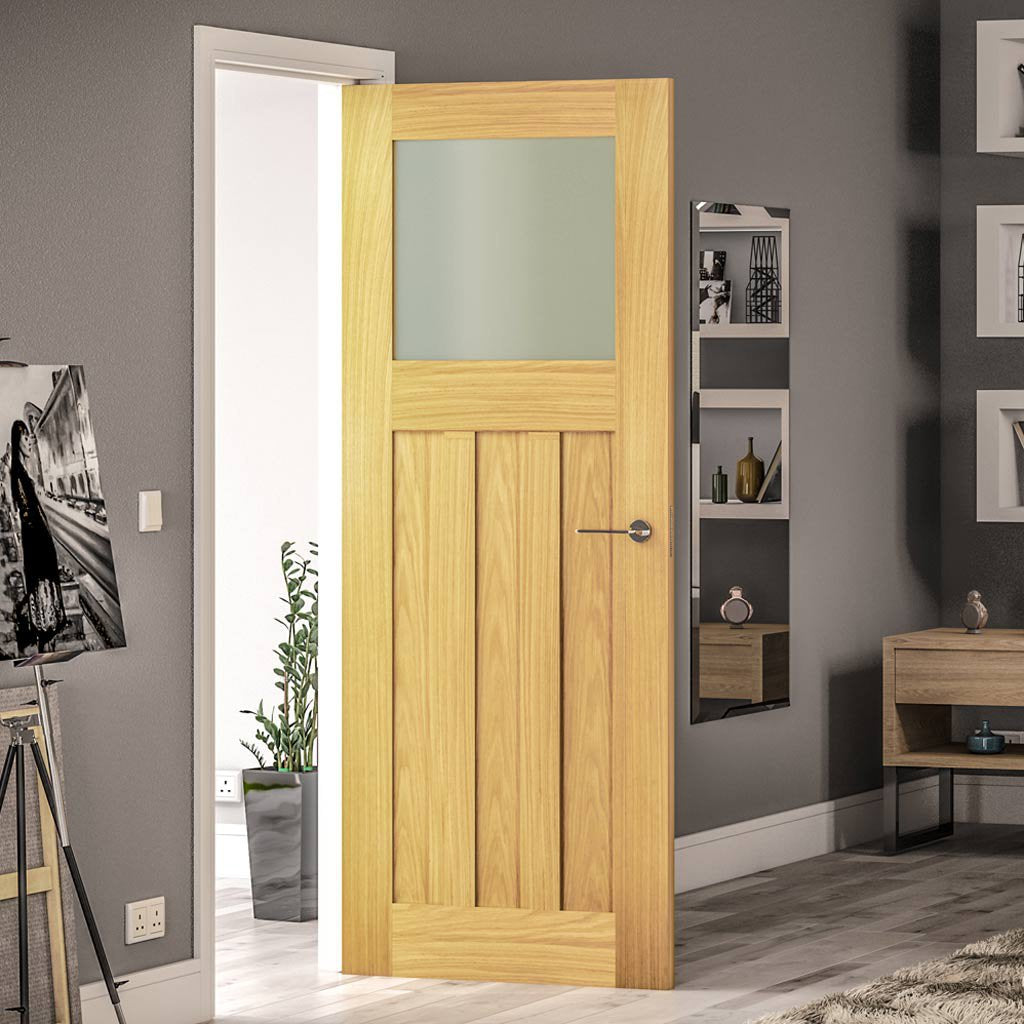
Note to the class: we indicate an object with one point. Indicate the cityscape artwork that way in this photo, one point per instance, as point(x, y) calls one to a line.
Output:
point(58, 592)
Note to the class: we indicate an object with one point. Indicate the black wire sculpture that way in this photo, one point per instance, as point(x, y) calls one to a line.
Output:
point(764, 289)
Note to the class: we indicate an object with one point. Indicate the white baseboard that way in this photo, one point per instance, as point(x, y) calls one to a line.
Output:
point(163, 995)
point(722, 854)
point(232, 851)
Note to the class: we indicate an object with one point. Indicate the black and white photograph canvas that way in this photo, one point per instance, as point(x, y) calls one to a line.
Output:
point(715, 302)
point(58, 591)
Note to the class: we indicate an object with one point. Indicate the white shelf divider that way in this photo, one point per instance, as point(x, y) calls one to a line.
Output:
point(1000, 95)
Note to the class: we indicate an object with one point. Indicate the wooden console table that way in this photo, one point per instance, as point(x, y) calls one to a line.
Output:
point(924, 676)
point(751, 663)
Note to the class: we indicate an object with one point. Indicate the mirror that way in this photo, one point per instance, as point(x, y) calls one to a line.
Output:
point(740, 460)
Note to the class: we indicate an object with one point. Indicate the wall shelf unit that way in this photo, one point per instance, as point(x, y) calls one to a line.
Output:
point(1000, 96)
point(734, 233)
point(1000, 233)
point(728, 416)
point(1000, 457)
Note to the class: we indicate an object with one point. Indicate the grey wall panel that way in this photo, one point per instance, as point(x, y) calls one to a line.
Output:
point(825, 108)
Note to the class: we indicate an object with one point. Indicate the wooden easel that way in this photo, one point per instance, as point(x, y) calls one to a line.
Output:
point(46, 879)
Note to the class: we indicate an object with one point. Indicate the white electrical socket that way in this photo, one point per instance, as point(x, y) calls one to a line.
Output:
point(227, 787)
point(143, 920)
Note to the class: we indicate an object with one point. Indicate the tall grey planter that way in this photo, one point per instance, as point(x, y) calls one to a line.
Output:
point(280, 821)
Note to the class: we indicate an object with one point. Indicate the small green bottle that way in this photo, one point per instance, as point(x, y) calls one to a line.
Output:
point(719, 487)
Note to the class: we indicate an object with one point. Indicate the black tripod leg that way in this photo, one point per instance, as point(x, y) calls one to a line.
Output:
point(19, 783)
point(83, 896)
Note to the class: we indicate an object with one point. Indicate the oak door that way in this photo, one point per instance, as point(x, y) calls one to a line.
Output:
point(507, 680)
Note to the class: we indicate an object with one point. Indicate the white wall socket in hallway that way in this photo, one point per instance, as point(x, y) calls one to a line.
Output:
point(227, 787)
point(144, 920)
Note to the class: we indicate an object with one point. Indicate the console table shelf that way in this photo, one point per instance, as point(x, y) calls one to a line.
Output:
point(953, 755)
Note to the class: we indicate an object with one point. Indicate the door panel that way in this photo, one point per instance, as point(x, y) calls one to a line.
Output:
point(508, 681)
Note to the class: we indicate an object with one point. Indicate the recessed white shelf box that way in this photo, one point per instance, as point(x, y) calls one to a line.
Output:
point(1000, 230)
point(1000, 95)
point(1000, 458)
point(768, 410)
point(751, 220)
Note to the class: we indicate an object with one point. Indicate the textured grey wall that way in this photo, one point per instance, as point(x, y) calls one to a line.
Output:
point(825, 108)
point(982, 555)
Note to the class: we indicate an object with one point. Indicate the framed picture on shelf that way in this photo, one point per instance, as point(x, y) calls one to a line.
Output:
point(715, 302)
point(712, 264)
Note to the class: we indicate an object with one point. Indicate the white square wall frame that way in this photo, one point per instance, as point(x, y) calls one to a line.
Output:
point(1000, 230)
point(1000, 95)
point(1000, 457)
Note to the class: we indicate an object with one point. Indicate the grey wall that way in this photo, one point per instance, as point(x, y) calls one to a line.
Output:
point(825, 108)
point(982, 555)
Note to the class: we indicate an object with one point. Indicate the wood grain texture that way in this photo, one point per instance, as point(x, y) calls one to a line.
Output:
point(501, 944)
point(907, 727)
point(586, 673)
point(434, 610)
point(956, 755)
point(751, 663)
point(503, 395)
point(518, 671)
point(643, 646)
point(540, 710)
point(498, 670)
point(949, 638)
point(504, 110)
point(366, 529)
point(992, 678)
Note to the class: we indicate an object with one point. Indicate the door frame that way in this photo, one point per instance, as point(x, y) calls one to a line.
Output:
point(215, 48)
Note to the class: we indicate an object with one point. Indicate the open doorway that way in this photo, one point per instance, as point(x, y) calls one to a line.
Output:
point(268, 435)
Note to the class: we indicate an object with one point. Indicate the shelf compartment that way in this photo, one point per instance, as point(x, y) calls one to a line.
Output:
point(1000, 230)
point(1000, 457)
point(1000, 96)
point(734, 232)
point(728, 417)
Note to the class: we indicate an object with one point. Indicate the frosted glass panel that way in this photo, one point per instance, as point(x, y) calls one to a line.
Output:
point(505, 249)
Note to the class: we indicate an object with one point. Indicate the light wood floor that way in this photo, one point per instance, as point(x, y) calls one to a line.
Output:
point(767, 942)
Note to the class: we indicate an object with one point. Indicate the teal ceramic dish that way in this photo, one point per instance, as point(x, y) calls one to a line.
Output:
point(985, 741)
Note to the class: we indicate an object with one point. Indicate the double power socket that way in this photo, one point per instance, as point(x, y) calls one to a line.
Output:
point(143, 920)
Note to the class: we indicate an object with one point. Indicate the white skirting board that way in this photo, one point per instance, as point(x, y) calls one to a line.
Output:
point(163, 995)
point(722, 854)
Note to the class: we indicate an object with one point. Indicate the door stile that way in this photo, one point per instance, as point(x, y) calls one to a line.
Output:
point(642, 657)
point(367, 531)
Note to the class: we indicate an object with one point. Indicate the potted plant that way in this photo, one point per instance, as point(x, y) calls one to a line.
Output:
point(281, 794)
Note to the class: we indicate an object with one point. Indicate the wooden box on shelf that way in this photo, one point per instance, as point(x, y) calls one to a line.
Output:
point(927, 674)
point(750, 663)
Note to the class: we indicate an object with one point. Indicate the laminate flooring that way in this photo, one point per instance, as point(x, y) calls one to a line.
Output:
point(747, 947)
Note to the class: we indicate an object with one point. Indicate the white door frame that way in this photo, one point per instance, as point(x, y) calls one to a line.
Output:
point(213, 48)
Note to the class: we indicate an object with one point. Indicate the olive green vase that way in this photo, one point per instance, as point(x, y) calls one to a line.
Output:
point(749, 474)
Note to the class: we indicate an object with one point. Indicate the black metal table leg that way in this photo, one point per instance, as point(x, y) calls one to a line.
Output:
point(895, 841)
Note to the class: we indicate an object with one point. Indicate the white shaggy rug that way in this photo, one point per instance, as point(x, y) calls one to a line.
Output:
point(980, 984)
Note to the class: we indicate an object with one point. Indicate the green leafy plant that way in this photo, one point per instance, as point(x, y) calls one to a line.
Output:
point(289, 732)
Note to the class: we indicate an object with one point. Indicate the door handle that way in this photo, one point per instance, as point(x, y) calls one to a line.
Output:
point(639, 530)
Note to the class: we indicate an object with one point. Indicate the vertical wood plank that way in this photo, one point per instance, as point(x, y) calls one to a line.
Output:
point(451, 668)
point(586, 673)
point(540, 673)
point(412, 747)
point(434, 669)
point(366, 529)
point(497, 538)
point(643, 637)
